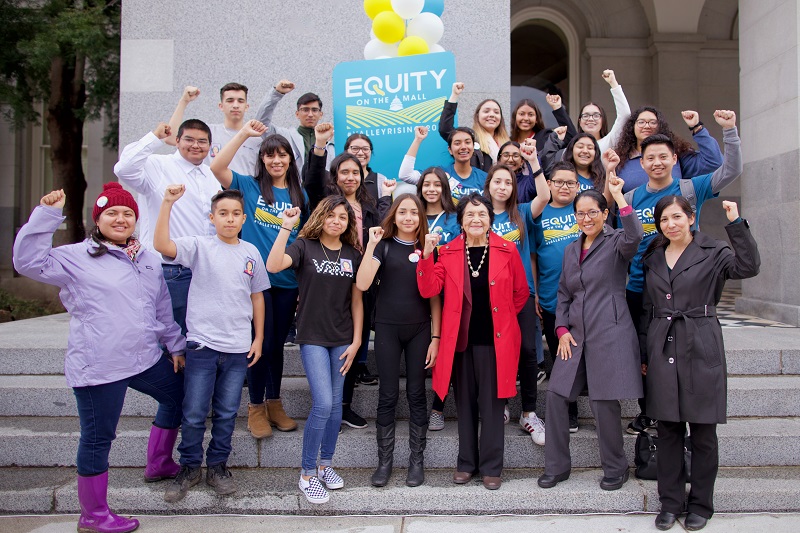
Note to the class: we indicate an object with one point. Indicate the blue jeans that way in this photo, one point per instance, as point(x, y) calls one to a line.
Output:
point(322, 366)
point(212, 379)
point(99, 408)
point(178, 279)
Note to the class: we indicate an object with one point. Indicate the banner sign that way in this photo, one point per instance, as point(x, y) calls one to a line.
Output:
point(386, 98)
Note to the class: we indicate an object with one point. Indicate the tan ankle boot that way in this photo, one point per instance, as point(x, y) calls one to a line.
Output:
point(278, 416)
point(258, 421)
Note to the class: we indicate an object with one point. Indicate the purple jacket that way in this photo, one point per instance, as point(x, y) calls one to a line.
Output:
point(120, 310)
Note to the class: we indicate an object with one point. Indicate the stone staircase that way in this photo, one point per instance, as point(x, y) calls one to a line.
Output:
point(39, 429)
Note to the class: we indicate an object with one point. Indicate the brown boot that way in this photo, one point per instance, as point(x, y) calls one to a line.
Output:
point(278, 416)
point(258, 421)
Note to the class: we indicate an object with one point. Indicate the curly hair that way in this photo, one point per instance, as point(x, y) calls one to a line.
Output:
point(313, 228)
point(627, 144)
point(597, 172)
point(516, 133)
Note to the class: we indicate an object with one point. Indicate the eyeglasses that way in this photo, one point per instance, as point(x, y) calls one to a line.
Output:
point(510, 156)
point(587, 116)
point(314, 110)
point(642, 123)
point(360, 150)
point(191, 142)
point(562, 183)
point(580, 215)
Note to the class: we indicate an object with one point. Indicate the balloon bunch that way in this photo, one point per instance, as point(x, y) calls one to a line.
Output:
point(404, 27)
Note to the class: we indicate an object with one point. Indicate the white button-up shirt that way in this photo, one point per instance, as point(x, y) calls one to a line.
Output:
point(149, 175)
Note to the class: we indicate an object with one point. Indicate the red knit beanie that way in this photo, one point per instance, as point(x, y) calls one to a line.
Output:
point(113, 194)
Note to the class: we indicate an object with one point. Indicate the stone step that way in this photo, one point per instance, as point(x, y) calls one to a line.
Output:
point(36, 346)
point(763, 396)
point(274, 491)
point(45, 442)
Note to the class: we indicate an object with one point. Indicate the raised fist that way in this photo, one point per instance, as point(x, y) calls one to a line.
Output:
point(162, 131)
point(725, 118)
point(610, 160)
point(731, 210)
point(323, 132)
point(375, 235)
point(431, 242)
point(254, 128)
point(174, 192)
point(284, 86)
point(610, 78)
point(420, 132)
point(615, 183)
point(290, 217)
point(458, 88)
point(528, 149)
point(554, 101)
point(388, 186)
point(561, 131)
point(691, 118)
point(54, 199)
point(190, 93)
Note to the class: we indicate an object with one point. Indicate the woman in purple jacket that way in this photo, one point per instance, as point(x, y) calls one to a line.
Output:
point(121, 316)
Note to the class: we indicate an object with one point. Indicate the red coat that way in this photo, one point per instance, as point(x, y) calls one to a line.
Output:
point(508, 292)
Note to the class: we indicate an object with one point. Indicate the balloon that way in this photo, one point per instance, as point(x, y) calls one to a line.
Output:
point(428, 26)
point(377, 49)
point(408, 9)
point(434, 6)
point(388, 27)
point(412, 45)
point(373, 7)
point(436, 48)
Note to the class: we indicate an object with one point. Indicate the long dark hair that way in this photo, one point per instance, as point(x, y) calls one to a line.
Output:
point(362, 194)
point(538, 125)
point(446, 198)
point(627, 141)
point(660, 241)
point(604, 128)
point(269, 146)
point(98, 239)
point(389, 226)
point(313, 228)
point(597, 172)
point(511, 203)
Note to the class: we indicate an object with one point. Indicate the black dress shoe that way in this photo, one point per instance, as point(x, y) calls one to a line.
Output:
point(665, 520)
point(614, 483)
point(548, 482)
point(695, 522)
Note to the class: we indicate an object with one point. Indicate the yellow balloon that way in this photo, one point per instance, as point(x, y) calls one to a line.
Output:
point(412, 45)
point(373, 7)
point(388, 27)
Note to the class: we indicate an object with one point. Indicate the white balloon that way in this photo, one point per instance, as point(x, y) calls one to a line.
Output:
point(428, 26)
point(435, 49)
point(408, 9)
point(372, 34)
point(376, 49)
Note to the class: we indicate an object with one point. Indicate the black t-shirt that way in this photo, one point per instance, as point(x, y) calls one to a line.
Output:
point(481, 325)
point(326, 279)
point(399, 301)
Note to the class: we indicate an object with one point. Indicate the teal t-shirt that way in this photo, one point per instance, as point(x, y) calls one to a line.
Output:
point(444, 224)
point(463, 187)
point(264, 222)
point(584, 183)
point(556, 227)
point(509, 231)
point(644, 203)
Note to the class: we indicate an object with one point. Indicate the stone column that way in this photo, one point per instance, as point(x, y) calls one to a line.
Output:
point(769, 85)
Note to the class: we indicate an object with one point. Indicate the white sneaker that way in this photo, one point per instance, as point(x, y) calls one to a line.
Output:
point(533, 425)
point(506, 415)
point(313, 490)
point(331, 479)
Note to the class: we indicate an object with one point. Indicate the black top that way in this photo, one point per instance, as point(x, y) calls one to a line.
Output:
point(326, 280)
point(399, 301)
point(481, 325)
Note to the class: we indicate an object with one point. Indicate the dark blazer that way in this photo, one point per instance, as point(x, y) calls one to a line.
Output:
point(592, 305)
point(686, 372)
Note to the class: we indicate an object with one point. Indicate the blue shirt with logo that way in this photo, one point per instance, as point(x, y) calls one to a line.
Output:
point(264, 222)
point(463, 187)
point(504, 227)
point(556, 228)
point(584, 184)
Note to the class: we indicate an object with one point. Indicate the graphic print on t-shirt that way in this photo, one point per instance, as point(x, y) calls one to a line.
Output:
point(507, 230)
point(647, 216)
point(249, 265)
point(560, 228)
point(343, 267)
point(270, 215)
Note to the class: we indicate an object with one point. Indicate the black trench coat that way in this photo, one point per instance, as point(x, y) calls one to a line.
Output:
point(686, 372)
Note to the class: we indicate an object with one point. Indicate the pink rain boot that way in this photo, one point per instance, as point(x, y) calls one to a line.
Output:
point(159, 455)
point(95, 514)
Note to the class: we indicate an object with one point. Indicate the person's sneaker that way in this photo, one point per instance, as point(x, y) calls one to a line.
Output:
point(219, 477)
point(290, 337)
point(436, 421)
point(573, 423)
point(330, 478)
point(367, 379)
point(533, 425)
point(506, 415)
point(352, 419)
point(187, 477)
point(313, 490)
point(639, 424)
point(541, 375)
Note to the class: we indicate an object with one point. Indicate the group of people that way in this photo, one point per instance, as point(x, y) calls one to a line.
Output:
point(588, 235)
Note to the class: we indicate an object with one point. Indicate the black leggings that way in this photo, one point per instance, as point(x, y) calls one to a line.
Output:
point(392, 340)
point(549, 320)
point(636, 307)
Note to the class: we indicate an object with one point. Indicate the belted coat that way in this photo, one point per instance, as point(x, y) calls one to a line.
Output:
point(687, 372)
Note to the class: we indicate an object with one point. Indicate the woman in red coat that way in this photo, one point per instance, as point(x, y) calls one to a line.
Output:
point(484, 289)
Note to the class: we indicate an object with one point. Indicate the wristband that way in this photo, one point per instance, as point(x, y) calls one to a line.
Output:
point(692, 128)
point(538, 172)
point(435, 337)
point(319, 147)
point(287, 229)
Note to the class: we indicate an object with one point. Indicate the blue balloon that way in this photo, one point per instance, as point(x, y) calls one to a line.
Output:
point(434, 6)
